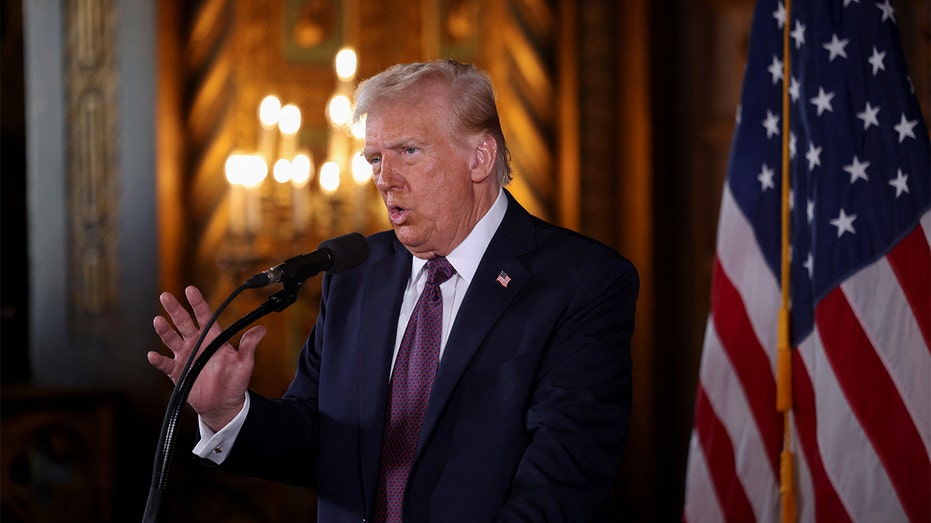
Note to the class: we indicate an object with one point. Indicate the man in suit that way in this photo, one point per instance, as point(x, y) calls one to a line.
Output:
point(503, 393)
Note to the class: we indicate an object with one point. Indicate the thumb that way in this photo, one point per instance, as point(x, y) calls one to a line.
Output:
point(250, 340)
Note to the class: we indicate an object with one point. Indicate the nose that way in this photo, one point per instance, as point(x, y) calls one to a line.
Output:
point(385, 176)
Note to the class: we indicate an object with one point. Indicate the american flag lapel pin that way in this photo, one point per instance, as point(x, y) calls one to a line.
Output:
point(503, 279)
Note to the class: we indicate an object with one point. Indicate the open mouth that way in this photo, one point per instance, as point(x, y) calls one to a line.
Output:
point(396, 214)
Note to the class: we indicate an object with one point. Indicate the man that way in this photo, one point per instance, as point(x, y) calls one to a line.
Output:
point(525, 414)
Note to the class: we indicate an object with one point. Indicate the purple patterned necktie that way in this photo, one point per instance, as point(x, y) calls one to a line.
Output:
point(411, 382)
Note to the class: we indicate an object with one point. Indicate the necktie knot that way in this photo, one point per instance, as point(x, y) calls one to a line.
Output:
point(439, 270)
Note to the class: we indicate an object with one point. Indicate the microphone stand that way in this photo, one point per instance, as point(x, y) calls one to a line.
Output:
point(277, 302)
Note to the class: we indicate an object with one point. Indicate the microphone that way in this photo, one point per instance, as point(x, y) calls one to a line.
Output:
point(333, 255)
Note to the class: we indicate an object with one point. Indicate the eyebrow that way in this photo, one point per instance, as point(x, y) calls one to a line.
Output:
point(404, 141)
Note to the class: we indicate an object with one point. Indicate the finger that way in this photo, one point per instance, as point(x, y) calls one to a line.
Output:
point(178, 314)
point(201, 308)
point(167, 333)
point(161, 362)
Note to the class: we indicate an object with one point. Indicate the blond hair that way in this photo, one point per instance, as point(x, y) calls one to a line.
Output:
point(470, 96)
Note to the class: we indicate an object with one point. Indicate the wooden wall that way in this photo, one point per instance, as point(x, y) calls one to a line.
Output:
point(618, 113)
point(619, 118)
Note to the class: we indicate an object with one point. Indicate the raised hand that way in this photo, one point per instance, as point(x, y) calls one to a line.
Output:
point(219, 392)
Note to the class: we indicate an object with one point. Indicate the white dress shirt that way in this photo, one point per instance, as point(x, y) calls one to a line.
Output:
point(464, 259)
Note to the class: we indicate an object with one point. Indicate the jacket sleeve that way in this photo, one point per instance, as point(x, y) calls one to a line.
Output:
point(279, 439)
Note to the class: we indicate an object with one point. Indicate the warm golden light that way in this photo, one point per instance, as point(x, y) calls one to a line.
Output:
point(282, 171)
point(329, 177)
point(234, 169)
point(361, 169)
point(301, 168)
point(269, 111)
point(237, 196)
point(339, 109)
point(289, 121)
point(253, 170)
point(346, 63)
point(358, 128)
point(248, 170)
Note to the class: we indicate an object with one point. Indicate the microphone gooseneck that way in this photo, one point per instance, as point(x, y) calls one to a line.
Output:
point(332, 256)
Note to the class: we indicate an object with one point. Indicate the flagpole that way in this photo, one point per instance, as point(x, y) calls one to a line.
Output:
point(783, 348)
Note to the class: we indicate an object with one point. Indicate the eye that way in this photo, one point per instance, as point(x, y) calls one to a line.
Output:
point(373, 160)
point(410, 150)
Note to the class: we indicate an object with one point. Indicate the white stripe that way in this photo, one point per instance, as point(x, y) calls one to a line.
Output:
point(729, 401)
point(746, 268)
point(804, 489)
point(889, 322)
point(850, 462)
point(926, 226)
point(701, 500)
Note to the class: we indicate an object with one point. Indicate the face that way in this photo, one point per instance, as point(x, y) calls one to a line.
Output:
point(435, 186)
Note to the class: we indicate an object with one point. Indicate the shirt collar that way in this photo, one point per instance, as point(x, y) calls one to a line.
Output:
point(467, 255)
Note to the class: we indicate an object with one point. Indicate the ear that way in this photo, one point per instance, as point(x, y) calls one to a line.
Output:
point(484, 155)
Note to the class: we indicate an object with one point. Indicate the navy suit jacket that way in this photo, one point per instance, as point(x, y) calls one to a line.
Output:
point(531, 403)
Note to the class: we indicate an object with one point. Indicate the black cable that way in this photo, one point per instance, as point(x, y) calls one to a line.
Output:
point(276, 303)
point(162, 459)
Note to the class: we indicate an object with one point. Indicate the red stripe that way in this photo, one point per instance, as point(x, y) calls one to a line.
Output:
point(749, 360)
point(719, 456)
point(828, 506)
point(874, 399)
point(910, 261)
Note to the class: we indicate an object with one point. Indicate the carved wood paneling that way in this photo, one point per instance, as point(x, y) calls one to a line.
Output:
point(234, 53)
point(211, 123)
point(389, 32)
point(519, 51)
point(618, 116)
point(601, 164)
point(91, 91)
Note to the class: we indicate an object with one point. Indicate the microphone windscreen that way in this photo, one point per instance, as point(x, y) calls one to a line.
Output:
point(347, 251)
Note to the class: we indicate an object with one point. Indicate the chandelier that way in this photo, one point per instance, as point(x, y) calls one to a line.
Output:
point(281, 200)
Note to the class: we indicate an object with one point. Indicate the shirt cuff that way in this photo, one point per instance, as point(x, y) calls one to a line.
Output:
point(215, 446)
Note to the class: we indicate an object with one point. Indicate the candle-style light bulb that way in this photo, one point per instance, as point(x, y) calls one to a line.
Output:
point(329, 177)
point(361, 169)
point(339, 110)
point(289, 123)
point(245, 173)
point(289, 120)
point(255, 170)
point(357, 128)
point(301, 168)
point(233, 169)
point(237, 198)
point(282, 171)
point(269, 111)
point(301, 171)
point(346, 64)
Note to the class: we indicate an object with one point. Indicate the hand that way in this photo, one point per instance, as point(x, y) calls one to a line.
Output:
point(219, 392)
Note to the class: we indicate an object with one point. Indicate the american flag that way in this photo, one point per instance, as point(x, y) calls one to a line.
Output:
point(860, 426)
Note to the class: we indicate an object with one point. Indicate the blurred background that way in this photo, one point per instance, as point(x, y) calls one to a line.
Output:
point(149, 145)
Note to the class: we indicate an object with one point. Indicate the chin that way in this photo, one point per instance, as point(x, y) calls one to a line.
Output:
point(406, 237)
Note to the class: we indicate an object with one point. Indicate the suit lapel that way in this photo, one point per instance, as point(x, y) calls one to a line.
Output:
point(484, 302)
